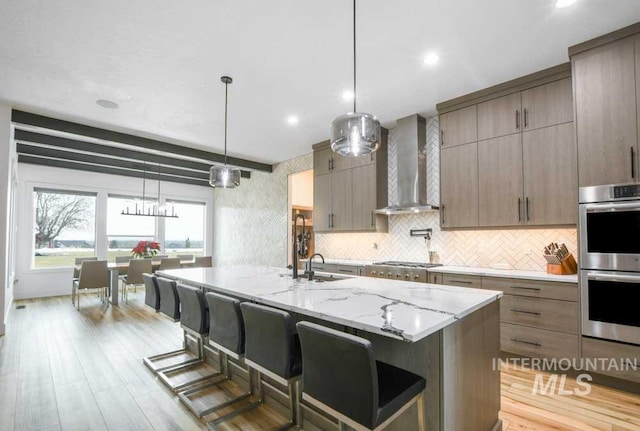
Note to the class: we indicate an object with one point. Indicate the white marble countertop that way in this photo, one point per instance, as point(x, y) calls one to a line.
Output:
point(397, 309)
point(506, 273)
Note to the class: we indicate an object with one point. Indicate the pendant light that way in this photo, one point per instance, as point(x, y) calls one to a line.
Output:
point(355, 133)
point(224, 177)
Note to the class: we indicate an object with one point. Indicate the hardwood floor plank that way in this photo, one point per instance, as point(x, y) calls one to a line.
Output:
point(120, 410)
point(165, 413)
point(78, 408)
point(8, 398)
point(36, 405)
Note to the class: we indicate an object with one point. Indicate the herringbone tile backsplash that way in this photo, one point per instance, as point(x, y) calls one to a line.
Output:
point(514, 248)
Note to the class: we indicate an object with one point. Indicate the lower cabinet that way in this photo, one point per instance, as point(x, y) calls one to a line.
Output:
point(593, 348)
point(462, 280)
point(537, 343)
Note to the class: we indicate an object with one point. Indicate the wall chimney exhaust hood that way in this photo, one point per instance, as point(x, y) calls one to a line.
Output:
point(411, 136)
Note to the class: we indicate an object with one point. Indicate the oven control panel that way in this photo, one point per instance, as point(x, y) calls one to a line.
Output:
point(626, 191)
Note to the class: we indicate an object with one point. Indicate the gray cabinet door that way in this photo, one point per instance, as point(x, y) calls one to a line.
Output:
point(500, 181)
point(322, 161)
point(550, 175)
point(322, 203)
point(499, 117)
point(369, 159)
point(459, 127)
point(459, 186)
point(547, 105)
point(340, 163)
point(341, 201)
point(364, 197)
point(606, 114)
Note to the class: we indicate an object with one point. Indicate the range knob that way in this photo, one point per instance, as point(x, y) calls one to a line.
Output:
point(397, 275)
point(406, 276)
point(373, 273)
point(417, 277)
point(389, 274)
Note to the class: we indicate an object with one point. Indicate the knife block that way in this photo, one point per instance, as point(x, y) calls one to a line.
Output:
point(569, 266)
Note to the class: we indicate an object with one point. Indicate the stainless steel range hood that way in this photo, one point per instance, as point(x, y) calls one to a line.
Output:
point(411, 146)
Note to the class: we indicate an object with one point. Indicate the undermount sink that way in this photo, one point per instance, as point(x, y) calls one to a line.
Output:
point(323, 278)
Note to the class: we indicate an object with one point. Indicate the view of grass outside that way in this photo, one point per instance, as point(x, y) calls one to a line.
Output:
point(65, 228)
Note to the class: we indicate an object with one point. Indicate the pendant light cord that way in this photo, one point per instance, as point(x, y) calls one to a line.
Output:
point(226, 90)
point(354, 56)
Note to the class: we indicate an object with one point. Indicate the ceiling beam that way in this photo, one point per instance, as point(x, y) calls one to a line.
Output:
point(21, 117)
point(43, 161)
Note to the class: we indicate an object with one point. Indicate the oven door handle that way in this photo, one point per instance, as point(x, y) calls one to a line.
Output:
point(597, 208)
point(609, 277)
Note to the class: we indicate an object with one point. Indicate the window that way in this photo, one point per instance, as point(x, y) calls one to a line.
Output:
point(185, 235)
point(64, 227)
point(125, 231)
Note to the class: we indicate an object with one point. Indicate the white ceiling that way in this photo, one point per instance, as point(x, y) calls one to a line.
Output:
point(161, 61)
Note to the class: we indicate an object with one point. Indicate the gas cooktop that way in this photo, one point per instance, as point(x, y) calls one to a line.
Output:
point(407, 264)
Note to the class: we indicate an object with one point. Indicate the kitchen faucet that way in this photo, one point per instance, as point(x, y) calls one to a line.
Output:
point(309, 272)
point(294, 253)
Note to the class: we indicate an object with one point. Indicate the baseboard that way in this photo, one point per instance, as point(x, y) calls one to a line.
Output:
point(497, 426)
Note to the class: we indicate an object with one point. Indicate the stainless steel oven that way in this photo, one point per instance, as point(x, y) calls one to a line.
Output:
point(611, 305)
point(610, 227)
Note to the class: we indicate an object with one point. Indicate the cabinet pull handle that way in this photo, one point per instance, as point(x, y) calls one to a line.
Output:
point(441, 137)
point(528, 217)
point(519, 209)
point(535, 289)
point(526, 118)
point(329, 164)
point(329, 221)
point(515, 340)
point(633, 166)
point(349, 271)
point(332, 223)
point(462, 281)
point(442, 214)
point(372, 156)
point(534, 313)
point(517, 119)
point(373, 220)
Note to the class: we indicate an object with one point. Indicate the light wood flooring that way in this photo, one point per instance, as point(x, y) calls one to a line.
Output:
point(61, 369)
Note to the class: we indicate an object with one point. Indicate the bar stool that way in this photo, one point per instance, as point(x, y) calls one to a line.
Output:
point(342, 378)
point(226, 334)
point(194, 320)
point(151, 294)
point(272, 349)
point(170, 307)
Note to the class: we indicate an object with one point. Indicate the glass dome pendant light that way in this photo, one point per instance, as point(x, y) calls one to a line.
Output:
point(356, 133)
point(224, 177)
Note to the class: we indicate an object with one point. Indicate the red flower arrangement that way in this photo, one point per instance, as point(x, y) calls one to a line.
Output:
point(146, 249)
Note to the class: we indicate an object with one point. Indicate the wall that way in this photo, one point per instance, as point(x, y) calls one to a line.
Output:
point(509, 248)
point(250, 222)
point(57, 281)
point(7, 154)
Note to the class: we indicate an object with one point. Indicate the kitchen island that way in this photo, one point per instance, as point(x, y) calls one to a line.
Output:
point(449, 335)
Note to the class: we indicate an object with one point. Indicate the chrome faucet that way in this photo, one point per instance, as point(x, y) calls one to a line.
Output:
point(294, 251)
point(309, 272)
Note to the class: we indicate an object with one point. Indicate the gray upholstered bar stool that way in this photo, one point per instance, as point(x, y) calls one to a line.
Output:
point(170, 307)
point(272, 349)
point(194, 320)
point(151, 294)
point(342, 378)
point(226, 334)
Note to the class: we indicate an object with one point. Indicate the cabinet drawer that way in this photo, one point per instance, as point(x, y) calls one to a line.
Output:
point(537, 343)
point(325, 267)
point(434, 278)
point(462, 280)
point(540, 313)
point(594, 348)
point(536, 289)
point(348, 269)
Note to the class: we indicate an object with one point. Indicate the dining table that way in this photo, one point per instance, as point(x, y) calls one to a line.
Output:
point(115, 268)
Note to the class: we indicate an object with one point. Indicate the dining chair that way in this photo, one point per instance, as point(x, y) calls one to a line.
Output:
point(170, 263)
point(123, 259)
point(94, 274)
point(203, 262)
point(159, 257)
point(76, 271)
point(185, 256)
point(134, 278)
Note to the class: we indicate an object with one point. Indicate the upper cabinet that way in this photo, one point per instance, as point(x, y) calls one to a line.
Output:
point(348, 190)
point(606, 111)
point(500, 117)
point(523, 168)
point(459, 127)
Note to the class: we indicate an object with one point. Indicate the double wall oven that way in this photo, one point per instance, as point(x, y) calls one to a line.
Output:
point(610, 262)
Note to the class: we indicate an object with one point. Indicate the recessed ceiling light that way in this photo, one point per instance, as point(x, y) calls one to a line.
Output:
point(292, 119)
point(564, 3)
point(108, 104)
point(347, 95)
point(431, 58)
